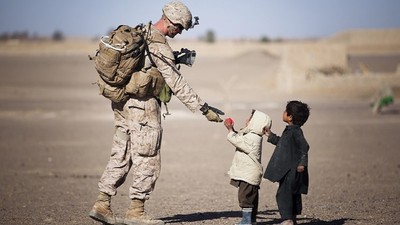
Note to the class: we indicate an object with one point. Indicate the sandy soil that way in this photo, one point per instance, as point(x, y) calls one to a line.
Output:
point(56, 131)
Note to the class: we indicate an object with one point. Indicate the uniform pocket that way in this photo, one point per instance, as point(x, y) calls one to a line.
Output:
point(146, 139)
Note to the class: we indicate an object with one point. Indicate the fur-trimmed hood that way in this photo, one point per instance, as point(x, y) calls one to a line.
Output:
point(258, 121)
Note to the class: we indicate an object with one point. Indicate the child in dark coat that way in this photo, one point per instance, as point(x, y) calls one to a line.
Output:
point(289, 161)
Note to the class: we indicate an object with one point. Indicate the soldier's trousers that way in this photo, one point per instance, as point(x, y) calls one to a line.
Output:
point(135, 148)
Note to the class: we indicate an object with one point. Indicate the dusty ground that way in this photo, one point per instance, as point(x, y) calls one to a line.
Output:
point(55, 140)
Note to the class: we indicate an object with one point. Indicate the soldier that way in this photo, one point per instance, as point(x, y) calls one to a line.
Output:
point(138, 131)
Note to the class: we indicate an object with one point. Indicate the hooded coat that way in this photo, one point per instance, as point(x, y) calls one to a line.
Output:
point(246, 164)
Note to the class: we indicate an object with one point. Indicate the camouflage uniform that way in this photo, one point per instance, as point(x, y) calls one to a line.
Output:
point(138, 131)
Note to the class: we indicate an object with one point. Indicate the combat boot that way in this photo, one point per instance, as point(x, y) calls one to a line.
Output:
point(101, 210)
point(136, 215)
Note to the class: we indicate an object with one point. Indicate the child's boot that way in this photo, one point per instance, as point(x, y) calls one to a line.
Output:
point(136, 215)
point(101, 210)
point(246, 216)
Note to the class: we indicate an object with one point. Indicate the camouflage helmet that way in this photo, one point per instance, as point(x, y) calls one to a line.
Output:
point(178, 13)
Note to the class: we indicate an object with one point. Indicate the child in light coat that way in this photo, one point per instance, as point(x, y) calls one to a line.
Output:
point(246, 170)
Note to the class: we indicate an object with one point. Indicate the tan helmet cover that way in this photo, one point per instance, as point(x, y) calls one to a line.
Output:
point(178, 13)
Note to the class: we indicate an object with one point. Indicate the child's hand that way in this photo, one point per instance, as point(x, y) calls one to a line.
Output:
point(300, 169)
point(267, 131)
point(229, 124)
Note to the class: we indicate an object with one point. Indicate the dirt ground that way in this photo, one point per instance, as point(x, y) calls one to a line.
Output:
point(56, 132)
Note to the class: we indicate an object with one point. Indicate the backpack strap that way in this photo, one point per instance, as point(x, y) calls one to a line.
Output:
point(155, 37)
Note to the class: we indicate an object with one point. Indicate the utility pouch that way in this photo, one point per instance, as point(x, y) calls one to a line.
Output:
point(165, 94)
point(158, 81)
point(115, 94)
point(119, 54)
point(139, 84)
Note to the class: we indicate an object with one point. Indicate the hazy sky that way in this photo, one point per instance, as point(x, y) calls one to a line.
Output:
point(227, 18)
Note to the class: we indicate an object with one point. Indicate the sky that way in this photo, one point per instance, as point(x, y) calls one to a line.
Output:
point(226, 18)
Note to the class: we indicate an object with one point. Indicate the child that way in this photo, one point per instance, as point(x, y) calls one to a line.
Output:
point(288, 163)
point(246, 169)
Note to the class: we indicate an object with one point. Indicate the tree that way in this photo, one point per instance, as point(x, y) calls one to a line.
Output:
point(210, 36)
point(58, 36)
point(265, 39)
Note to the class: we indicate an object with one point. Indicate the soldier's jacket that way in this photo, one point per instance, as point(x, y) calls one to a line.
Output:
point(161, 56)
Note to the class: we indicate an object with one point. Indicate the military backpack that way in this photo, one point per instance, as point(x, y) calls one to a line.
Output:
point(118, 56)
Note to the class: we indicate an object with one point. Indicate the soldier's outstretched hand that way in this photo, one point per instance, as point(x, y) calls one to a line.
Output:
point(211, 113)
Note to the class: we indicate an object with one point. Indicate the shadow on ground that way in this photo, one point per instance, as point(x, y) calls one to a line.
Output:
point(390, 112)
point(204, 216)
point(201, 216)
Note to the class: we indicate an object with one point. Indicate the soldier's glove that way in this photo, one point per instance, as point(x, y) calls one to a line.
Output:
point(211, 113)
